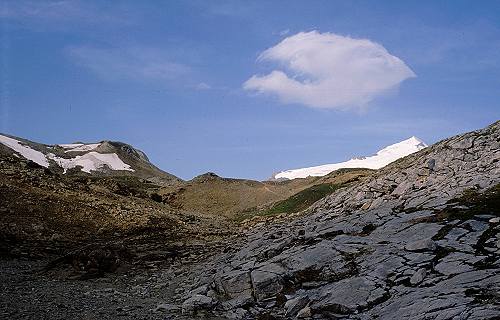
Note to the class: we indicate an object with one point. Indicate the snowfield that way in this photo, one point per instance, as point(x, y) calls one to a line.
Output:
point(70, 145)
point(79, 147)
point(91, 161)
point(25, 151)
point(377, 161)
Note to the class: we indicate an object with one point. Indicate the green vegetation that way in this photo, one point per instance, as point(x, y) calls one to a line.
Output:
point(296, 203)
point(303, 199)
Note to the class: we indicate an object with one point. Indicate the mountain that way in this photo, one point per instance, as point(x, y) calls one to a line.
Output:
point(377, 161)
point(241, 198)
point(207, 194)
point(102, 158)
point(416, 239)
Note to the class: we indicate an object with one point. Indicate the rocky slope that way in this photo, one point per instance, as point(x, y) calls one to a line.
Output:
point(418, 240)
point(91, 235)
point(44, 213)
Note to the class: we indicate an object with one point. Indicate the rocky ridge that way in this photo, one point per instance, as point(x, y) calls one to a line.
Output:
point(418, 240)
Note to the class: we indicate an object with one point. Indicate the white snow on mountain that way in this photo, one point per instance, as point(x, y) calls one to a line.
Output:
point(70, 145)
point(90, 161)
point(79, 147)
point(377, 161)
point(25, 151)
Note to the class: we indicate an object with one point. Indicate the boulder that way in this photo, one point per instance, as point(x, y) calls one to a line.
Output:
point(197, 302)
point(421, 245)
point(267, 281)
point(293, 306)
point(304, 313)
point(418, 276)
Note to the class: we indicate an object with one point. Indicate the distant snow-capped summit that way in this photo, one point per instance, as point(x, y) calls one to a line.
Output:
point(377, 161)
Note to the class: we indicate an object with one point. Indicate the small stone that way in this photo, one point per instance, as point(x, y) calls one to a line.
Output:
point(166, 307)
point(197, 302)
point(55, 237)
point(484, 217)
point(236, 314)
point(293, 306)
point(421, 245)
point(304, 313)
point(201, 290)
point(418, 276)
point(431, 164)
point(494, 220)
point(267, 281)
point(211, 294)
point(366, 205)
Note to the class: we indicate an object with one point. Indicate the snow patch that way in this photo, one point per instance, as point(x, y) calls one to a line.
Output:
point(92, 161)
point(70, 145)
point(377, 161)
point(25, 151)
point(79, 147)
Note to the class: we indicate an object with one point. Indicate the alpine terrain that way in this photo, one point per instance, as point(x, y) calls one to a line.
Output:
point(95, 231)
point(377, 161)
point(103, 158)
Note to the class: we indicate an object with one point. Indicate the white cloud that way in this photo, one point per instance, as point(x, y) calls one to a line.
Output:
point(128, 63)
point(203, 86)
point(284, 32)
point(325, 70)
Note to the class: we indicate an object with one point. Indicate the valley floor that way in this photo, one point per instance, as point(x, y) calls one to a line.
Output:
point(137, 293)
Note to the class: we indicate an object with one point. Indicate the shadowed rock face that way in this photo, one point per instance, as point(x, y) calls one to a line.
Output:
point(419, 240)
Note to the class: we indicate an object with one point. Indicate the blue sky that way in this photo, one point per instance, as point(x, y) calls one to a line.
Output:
point(169, 77)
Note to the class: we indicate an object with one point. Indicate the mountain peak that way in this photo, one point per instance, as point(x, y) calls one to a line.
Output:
point(415, 140)
point(105, 157)
point(382, 158)
point(404, 147)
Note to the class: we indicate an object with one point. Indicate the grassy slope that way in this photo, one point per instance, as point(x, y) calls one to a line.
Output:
point(225, 197)
point(303, 199)
point(240, 199)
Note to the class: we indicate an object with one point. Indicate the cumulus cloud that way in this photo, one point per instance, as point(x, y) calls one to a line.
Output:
point(326, 70)
point(128, 63)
